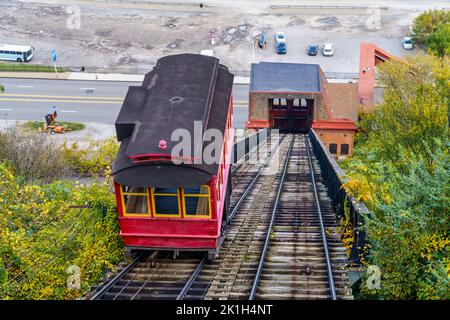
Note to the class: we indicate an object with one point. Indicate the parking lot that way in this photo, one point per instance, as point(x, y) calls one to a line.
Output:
point(131, 40)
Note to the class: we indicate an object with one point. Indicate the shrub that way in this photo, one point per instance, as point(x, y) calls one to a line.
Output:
point(34, 157)
point(47, 232)
point(93, 160)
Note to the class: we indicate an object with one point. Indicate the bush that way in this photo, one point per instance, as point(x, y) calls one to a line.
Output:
point(93, 160)
point(431, 29)
point(32, 156)
point(52, 233)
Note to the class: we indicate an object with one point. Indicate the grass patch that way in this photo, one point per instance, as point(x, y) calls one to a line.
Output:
point(26, 67)
point(68, 126)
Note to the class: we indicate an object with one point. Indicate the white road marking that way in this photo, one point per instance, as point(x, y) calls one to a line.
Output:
point(68, 111)
point(25, 86)
point(6, 109)
point(87, 88)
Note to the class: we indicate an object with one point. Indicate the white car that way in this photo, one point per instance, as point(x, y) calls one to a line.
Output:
point(280, 37)
point(328, 49)
point(407, 43)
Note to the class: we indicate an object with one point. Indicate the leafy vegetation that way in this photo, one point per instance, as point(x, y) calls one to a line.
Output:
point(2, 88)
point(46, 241)
point(400, 169)
point(432, 29)
point(25, 67)
point(68, 126)
point(92, 160)
point(57, 237)
point(32, 156)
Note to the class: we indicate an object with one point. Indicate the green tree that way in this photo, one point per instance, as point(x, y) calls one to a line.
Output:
point(438, 42)
point(400, 168)
point(427, 23)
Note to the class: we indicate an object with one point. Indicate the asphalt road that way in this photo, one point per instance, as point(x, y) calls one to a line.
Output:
point(81, 101)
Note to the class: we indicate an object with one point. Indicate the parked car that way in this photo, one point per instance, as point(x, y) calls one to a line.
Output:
point(313, 49)
point(280, 39)
point(328, 49)
point(407, 43)
point(281, 48)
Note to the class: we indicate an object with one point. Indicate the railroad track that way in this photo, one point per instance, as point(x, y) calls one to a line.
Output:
point(230, 275)
point(302, 258)
point(156, 275)
point(278, 244)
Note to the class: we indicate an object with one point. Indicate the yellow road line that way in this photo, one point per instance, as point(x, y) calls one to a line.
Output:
point(81, 101)
point(56, 97)
point(55, 100)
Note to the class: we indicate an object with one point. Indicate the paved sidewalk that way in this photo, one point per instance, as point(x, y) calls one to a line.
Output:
point(83, 76)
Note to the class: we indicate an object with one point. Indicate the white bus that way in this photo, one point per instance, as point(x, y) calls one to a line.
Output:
point(16, 53)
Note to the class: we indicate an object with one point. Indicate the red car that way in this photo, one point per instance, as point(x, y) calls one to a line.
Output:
point(167, 201)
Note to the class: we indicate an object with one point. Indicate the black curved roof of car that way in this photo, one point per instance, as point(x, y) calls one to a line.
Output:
point(190, 92)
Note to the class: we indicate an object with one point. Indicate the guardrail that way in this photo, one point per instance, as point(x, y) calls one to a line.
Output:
point(333, 178)
point(321, 7)
point(243, 147)
point(160, 3)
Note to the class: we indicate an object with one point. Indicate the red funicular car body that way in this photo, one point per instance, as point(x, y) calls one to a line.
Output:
point(168, 199)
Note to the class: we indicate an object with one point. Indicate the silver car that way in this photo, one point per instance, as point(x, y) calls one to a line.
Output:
point(328, 49)
point(407, 43)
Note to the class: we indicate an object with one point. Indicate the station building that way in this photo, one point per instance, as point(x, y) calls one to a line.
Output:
point(294, 97)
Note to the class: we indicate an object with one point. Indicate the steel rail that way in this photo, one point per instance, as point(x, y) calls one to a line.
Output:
point(249, 188)
point(322, 228)
point(252, 184)
point(269, 229)
point(114, 280)
point(192, 279)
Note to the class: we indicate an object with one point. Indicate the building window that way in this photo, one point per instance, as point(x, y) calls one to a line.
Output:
point(197, 202)
point(303, 103)
point(344, 148)
point(333, 148)
point(166, 202)
point(135, 201)
point(279, 104)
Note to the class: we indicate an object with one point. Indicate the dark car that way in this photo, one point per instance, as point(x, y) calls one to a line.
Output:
point(281, 48)
point(313, 50)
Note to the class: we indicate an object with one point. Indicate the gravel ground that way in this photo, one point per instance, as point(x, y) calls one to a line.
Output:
point(130, 40)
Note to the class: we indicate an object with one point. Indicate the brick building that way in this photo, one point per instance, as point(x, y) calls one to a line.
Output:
point(295, 97)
